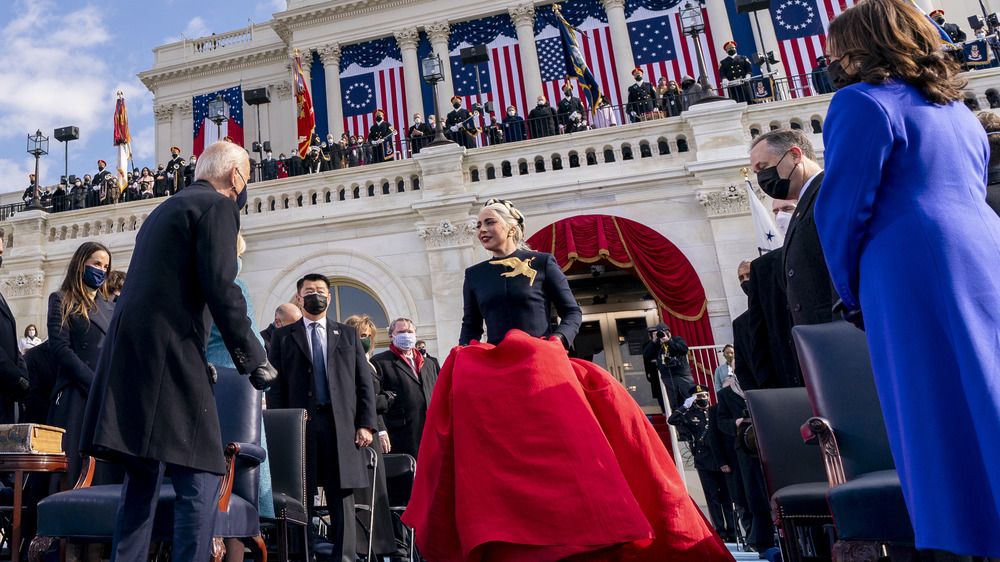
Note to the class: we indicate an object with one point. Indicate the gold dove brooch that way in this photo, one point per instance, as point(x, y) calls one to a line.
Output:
point(519, 266)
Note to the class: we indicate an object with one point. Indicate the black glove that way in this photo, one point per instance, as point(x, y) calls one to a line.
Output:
point(262, 376)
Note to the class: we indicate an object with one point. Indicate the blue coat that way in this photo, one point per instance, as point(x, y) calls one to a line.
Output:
point(517, 301)
point(908, 237)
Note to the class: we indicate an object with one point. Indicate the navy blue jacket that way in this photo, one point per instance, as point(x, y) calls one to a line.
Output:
point(517, 302)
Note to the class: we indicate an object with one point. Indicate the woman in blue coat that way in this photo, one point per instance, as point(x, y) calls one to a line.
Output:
point(78, 319)
point(910, 241)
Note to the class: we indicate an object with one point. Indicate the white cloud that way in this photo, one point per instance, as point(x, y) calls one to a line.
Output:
point(195, 29)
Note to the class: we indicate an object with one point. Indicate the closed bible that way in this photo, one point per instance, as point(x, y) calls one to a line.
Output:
point(28, 438)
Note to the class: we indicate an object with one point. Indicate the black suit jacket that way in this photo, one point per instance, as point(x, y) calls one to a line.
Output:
point(42, 375)
point(152, 396)
point(12, 367)
point(405, 418)
point(743, 346)
point(352, 394)
point(773, 355)
point(75, 348)
point(808, 286)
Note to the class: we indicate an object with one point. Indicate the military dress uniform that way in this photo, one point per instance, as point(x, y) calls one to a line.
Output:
point(380, 137)
point(460, 127)
point(736, 67)
point(566, 107)
point(99, 191)
point(175, 169)
point(641, 98)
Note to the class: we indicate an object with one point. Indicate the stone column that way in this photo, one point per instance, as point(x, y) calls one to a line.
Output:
point(407, 40)
point(163, 113)
point(718, 19)
point(624, 61)
point(186, 143)
point(282, 126)
point(523, 17)
point(175, 132)
point(438, 35)
point(330, 56)
point(24, 283)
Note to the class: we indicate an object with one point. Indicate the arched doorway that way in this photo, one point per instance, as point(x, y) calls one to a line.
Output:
point(627, 277)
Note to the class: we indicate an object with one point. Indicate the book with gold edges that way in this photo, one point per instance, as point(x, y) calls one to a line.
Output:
point(30, 438)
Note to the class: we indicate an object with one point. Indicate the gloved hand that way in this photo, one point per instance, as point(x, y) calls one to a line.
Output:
point(747, 77)
point(262, 377)
point(454, 128)
point(23, 387)
point(688, 402)
point(725, 82)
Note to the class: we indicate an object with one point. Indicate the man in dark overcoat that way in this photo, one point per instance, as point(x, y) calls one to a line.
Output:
point(323, 369)
point(13, 372)
point(409, 375)
point(461, 124)
point(152, 405)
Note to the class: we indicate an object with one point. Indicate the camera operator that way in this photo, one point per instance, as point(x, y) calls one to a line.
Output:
point(670, 353)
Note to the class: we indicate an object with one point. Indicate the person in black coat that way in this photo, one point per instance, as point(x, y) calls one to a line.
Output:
point(419, 134)
point(421, 347)
point(568, 106)
point(772, 353)
point(822, 83)
point(335, 388)
point(152, 405)
point(641, 97)
point(724, 448)
point(14, 383)
point(381, 137)
point(406, 373)
point(513, 126)
point(268, 168)
point(461, 124)
point(670, 353)
point(743, 336)
point(542, 121)
point(42, 376)
point(78, 318)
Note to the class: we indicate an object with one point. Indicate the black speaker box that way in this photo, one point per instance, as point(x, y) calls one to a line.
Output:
point(474, 54)
point(64, 134)
point(256, 96)
point(746, 6)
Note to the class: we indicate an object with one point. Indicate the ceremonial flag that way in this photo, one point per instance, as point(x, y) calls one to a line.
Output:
point(768, 236)
point(305, 117)
point(501, 77)
point(122, 140)
point(800, 26)
point(205, 131)
point(576, 66)
point(660, 47)
point(371, 77)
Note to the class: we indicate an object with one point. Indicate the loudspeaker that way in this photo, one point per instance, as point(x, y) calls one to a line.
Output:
point(256, 96)
point(267, 146)
point(64, 134)
point(474, 54)
point(746, 6)
point(489, 107)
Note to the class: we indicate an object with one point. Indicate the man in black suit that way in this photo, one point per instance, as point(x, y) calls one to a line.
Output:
point(786, 168)
point(542, 121)
point(152, 405)
point(569, 107)
point(322, 368)
point(14, 383)
point(286, 314)
point(42, 375)
point(773, 353)
point(411, 377)
point(268, 168)
point(419, 134)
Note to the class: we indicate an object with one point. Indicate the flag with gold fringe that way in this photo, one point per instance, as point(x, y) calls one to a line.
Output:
point(123, 141)
point(305, 117)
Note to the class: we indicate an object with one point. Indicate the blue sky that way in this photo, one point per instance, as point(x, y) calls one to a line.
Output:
point(61, 62)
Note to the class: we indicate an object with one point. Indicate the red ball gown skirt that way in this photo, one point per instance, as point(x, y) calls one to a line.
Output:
point(530, 455)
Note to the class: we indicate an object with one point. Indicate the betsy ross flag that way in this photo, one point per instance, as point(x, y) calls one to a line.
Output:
point(305, 116)
point(205, 131)
point(800, 26)
point(123, 140)
point(660, 47)
point(768, 236)
point(501, 77)
point(371, 77)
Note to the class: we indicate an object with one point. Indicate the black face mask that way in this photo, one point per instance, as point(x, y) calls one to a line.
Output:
point(840, 77)
point(772, 183)
point(315, 303)
point(701, 403)
point(456, 105)
point(731, 52)
point(745, 285)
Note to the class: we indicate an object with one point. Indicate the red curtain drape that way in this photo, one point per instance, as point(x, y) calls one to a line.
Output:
point(646, 254)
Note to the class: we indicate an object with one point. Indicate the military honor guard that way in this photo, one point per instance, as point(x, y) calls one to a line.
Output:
point(380, 136)
point(461, 126)
point(29, 193)
point(99, 191)
point(641, 97)
point(735, 71)
point(175, 170)
point(954, 32)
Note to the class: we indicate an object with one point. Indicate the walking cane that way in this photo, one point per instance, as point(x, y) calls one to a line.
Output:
point(371, 517)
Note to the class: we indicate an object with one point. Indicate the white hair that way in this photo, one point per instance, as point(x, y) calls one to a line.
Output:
point(218, 160)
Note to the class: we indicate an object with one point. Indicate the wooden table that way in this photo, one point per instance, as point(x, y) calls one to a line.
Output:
point(20, 464)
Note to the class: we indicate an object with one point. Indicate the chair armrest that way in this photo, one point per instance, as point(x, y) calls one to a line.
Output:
point(86, 473)
point(821, 430)
point(247, 451)
point(251, 452)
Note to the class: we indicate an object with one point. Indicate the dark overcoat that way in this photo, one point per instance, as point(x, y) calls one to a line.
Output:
point(75, 348)
point(152, 396)
point(352, 395)
point(12, 366)
point(808, 286)
point(773, 354)
point(405, 418)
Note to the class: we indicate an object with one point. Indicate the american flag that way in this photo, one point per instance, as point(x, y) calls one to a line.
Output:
point(500, 78)
point(800, 26)
point(205, 131)
point(597, 51)
point(660, 47)
point(371, 78)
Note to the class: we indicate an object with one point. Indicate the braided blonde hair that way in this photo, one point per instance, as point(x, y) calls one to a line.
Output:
point(511, 217)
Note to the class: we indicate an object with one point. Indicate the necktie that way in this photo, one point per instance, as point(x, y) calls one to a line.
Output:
point(319, 367)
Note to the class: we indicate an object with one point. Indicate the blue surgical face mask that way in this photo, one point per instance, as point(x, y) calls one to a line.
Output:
point(405, 340)
point(239, 265)
point(94, 277)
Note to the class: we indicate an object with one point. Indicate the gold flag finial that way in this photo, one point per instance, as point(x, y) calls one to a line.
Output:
point(745, 172)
